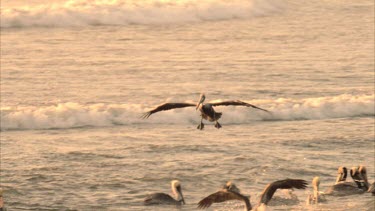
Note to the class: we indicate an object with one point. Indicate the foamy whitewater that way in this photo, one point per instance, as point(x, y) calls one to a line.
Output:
point(86, 13)
point(71, 115)
point(76, 77)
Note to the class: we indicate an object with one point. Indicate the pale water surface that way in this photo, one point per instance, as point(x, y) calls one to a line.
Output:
point(76, 77)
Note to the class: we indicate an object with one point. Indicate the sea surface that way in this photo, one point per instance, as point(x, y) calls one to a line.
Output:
point(76, 77)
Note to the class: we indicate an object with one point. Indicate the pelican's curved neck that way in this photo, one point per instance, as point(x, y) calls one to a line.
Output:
point(176, 193)
point(201, 100)
point(342, 173)
point(316, 183)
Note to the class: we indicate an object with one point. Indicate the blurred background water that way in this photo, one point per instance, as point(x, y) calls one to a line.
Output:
point(76, 76)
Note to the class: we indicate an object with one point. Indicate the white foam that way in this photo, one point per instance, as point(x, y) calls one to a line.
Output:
point(323, 107)
point(123, 12)
point(71, 115)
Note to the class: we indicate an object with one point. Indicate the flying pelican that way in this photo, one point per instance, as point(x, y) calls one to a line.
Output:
point(162, 198)
point(207, 111)
point(266, 196)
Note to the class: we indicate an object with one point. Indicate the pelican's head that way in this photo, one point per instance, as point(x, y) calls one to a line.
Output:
point(231, 187)
point(201, 100)
point(342, 172)
point(176, 189)
point(316, 183)
point(354, 171)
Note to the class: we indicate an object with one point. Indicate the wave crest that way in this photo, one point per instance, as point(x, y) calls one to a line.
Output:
point(124, 12)
point(72, 115)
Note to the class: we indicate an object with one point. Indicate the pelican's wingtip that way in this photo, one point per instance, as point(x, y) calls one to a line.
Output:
point(202, 206)
point(145, 115)
point(303, 184)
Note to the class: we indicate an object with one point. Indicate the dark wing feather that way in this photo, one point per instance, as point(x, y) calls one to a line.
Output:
point(166, 106)
point(159, 198)
point(357, 178)
point(281, 184)
point(222, 196)
point(237, 103)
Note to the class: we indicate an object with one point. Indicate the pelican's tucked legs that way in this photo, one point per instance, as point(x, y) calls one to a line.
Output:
point(201, 125)
point(217, 125)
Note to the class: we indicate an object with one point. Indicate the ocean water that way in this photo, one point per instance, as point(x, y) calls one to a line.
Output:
point(76, 76)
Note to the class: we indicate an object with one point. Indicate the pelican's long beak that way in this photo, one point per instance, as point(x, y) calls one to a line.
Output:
point(196, 108)
point(182, 196)
point(201, 100)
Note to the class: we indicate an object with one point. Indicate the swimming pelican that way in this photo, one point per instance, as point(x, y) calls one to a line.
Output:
point(316, 197)
point(342, 173)
point(266, 196)
point(363, 183)
point(342, 187)
point(360, 177)
point(207, 111)
point(162, 198)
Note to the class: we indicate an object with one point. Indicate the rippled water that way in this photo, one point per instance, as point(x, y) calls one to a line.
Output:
point(72, 96)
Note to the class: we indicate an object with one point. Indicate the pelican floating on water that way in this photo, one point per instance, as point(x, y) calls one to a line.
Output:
point(207, 110)
point(316, 197)
point(227, 194)
point(162, 198)
point(341, 186)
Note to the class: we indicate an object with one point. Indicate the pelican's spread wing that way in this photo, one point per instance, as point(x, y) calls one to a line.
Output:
point(166, 106)
point(222, 196)
point(281, 184)
point(237, 103)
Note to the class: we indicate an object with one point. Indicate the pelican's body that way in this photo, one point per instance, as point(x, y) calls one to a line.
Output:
point(163, 198)
point(343, 189)
point(207, 110)
point(232, 194)
point(208, 113)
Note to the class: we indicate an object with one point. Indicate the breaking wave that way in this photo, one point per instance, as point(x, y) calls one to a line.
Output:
point(72, 115)
point(75, 13)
